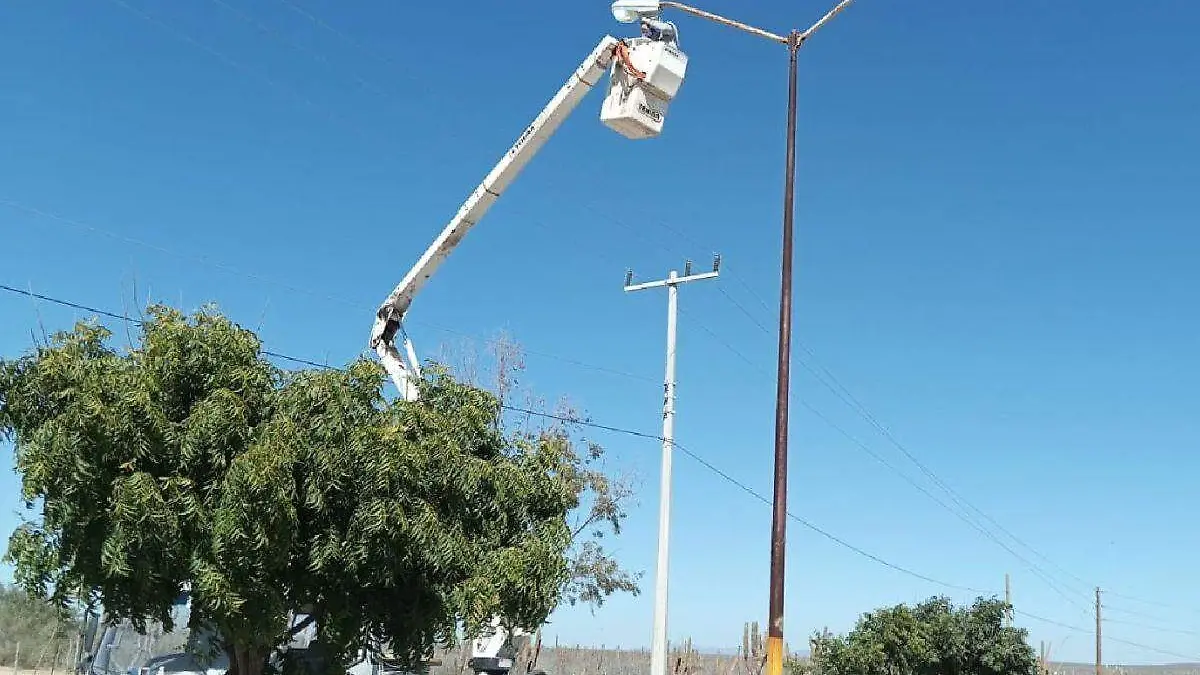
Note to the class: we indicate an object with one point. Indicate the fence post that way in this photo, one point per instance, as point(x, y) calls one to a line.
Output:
point(54, 661)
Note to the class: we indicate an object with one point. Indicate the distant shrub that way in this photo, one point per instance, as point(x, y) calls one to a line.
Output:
point(42, 630)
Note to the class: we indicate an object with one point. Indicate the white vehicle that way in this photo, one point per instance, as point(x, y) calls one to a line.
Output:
point(158, 654)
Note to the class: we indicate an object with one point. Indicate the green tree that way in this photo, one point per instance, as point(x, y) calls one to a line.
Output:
point(932, 638)
point(593, 573)
point(189, 460)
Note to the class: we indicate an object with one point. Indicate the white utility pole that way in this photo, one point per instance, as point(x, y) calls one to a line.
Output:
point(658, 649)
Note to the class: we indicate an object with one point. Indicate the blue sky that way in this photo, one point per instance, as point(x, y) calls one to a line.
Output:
point(994, 231)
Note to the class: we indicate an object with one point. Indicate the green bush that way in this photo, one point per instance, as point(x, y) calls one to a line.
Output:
point(796, 665)
point(931, 638)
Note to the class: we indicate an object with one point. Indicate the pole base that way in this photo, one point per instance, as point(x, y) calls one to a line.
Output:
point(774, 655)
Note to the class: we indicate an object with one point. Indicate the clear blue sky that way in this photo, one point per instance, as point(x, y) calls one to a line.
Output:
point(994, 233)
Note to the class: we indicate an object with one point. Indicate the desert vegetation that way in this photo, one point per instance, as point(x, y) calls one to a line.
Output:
point(35, 636)
point(191, 460)
point(536, 655)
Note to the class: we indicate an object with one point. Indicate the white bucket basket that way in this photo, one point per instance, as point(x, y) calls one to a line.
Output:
point(636, 107)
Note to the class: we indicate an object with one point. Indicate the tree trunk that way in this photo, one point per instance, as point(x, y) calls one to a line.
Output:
point(246, 660)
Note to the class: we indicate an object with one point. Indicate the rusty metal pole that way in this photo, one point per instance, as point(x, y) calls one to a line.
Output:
point(779, 512)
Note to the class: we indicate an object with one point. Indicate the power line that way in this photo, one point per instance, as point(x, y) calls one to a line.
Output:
point(859, 407)
point(1085, 631)
point(266, 280)
point(724, 343)
point(1139, 645)
point(848, 398)
point(383, 58)
point(1053, 622)
point(262, 27)
point(1156, 603)
point(867, 449)
point(1161, 629)
point(689, 453)
point(829, 381)
point(571, 420)
point(320, 23)
point(326, 26)
point(1146, 615)
point(379, 90)
point(198, 259)
point(835, 386)
point(745, 311)
point(332, 116)
point(964, 516)
point(329, 113)
point(221, 56)
point(837, 540)
point(859, 444)
point(122, 317)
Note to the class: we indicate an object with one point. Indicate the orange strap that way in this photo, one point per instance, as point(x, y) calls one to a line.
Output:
point(622, 54)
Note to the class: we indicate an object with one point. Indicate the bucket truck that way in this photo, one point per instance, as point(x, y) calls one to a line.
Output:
point(644, 74)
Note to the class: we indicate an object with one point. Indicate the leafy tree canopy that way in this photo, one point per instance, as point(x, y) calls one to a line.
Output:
point(190, 461)
point(932, 638)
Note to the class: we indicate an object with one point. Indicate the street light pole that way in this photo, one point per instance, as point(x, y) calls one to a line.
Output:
point(783, 382)
point(779, 512)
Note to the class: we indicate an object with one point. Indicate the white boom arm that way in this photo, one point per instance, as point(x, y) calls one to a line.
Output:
point(391, 312)
point(646, 74)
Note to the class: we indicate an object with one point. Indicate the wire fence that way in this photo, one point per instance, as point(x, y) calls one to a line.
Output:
point(33, 635)
point(82, 649)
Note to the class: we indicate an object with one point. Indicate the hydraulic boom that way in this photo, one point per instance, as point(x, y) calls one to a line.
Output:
point(645, 74)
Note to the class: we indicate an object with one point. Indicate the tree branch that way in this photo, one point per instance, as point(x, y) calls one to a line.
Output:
point(583, 526)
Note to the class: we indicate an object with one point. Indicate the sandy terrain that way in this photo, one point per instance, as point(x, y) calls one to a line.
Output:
point(7, 670)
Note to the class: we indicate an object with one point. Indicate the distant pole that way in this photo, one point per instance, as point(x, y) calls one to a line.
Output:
point(658, 649)
point(1099, 653)
point(1008, 611)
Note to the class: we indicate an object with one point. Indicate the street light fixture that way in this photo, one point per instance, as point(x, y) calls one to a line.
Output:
point(648, 11)
point(629, 11)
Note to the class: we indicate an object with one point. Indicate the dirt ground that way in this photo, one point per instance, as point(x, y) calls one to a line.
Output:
point(7, 670)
